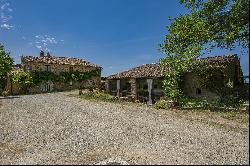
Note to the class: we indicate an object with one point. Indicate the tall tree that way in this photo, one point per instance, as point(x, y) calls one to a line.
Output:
point(6, 63)
point(209, 24)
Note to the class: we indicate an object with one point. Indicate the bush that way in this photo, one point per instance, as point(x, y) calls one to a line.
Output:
point(222, 102)
point(228, 101)
point(160, 104)
point(24, 80)
point(5, 93)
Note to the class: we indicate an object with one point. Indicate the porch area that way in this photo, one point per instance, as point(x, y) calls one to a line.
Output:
point(146, 90)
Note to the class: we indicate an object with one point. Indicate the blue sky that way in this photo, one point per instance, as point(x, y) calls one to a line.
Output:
point(115, 34)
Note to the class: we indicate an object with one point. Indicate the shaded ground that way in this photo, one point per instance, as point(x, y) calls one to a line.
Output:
point(58, 129)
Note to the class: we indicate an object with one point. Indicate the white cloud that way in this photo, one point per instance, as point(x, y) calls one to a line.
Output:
point(46, 42)
point(39, 47)
point(5, 15)
point(7, 26)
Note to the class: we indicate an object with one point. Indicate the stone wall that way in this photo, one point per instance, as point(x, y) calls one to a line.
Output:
point(232, 72)
point(192, 85)
point(56, 68)
point(57, 86)
point(133, 88)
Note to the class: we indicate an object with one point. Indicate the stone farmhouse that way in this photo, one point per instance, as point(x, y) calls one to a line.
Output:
point(144, 82)
point(56, 65)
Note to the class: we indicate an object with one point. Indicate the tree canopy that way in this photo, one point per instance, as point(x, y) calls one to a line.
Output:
point(209, 24)
point(6, 63)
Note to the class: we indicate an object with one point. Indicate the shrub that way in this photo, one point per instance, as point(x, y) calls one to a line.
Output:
point(24, 80)
point(222, 102)
point(160, 104)
point(5, 93)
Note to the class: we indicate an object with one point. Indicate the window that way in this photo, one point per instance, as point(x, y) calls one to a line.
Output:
point(112, 86)
point(47, 68)
point(71, 69)
point(27, 68)
point(198, 91)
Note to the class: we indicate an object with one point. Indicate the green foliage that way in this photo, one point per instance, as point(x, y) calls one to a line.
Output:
point(6, 63)
point(211, 75)
point(219, 103)
point(228, 101)
point(209, 24)
point(40, 76)
point(78, 76)
point(226, 22)
point(161, 104)
point(194, 103)
point(173, 69)
point(23, 79)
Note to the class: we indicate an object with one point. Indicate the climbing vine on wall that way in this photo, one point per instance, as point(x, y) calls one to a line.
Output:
point(37, 77)
point(173, 68)
point(209, 24)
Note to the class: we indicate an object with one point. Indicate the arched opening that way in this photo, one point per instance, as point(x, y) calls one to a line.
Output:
point(198, 91)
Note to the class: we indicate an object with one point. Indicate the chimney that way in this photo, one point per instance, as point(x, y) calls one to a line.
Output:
point(41, 53)
point(48, 54)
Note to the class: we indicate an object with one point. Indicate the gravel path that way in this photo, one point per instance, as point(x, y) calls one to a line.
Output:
point(58, 129)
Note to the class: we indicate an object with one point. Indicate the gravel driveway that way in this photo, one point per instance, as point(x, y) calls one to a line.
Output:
point(58, 129)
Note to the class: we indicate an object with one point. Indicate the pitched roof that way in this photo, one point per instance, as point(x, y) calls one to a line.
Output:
point(147, 70)
point(219, 59)
point(154, 70)
point(57, 60)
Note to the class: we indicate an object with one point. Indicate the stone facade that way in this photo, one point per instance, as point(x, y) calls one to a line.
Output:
point(133, 88)
point(55, 68)
point(56, 65)
point(192, 88)
point(231, 73)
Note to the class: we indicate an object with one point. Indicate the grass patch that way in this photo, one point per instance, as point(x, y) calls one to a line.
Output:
point(97, 96)
point(235, 115)
point(193, 107)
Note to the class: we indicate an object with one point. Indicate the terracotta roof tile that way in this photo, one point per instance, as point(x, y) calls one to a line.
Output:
point(219, 59)
point(57, 60)
point(153, 70)
point(147, 70)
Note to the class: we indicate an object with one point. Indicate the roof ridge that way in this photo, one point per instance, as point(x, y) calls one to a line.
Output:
point(133, 68)
point(58, 60)
point(220, 56)
point(145, 70)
